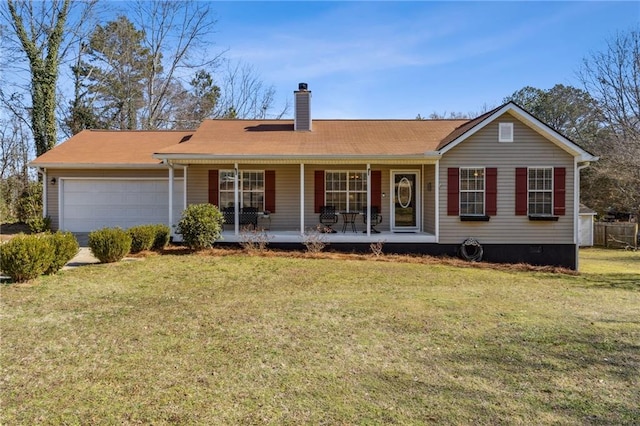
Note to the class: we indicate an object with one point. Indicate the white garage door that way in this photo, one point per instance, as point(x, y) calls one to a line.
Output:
point(89, 204)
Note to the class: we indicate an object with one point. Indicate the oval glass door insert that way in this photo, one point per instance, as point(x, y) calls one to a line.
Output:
point(404, 193)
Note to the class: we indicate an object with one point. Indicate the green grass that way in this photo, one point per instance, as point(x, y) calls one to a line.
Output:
point(237, 339)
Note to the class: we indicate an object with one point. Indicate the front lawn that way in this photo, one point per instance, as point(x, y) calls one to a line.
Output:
point(237, 339)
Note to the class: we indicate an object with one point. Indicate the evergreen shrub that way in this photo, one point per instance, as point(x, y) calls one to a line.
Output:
point(26, 257)
point(109, 245)
point(200, 226)
point(64, 246)
point(162, 235)
point(142, 237)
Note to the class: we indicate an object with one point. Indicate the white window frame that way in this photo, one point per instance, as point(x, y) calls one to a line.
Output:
point(505, 132)
point(241, 190)
point(348, 191)
point(473, 190)
point(536, 190)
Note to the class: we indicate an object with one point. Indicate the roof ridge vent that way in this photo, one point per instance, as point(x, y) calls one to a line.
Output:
point(302, 113)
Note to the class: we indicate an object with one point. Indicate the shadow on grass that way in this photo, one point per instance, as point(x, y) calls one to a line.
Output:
point(614, 281)
point(579, 378)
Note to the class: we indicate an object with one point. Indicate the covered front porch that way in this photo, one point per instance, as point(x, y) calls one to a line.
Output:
point(286, 198)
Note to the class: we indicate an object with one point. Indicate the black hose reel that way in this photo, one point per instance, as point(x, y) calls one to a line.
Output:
point(471, 250)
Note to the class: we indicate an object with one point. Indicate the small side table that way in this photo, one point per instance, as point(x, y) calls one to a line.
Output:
point(349, 218)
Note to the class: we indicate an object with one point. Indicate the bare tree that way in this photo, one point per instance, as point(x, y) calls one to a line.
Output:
point(612, 77)
point(244, 95)
point(14, 157)
point(177, 35)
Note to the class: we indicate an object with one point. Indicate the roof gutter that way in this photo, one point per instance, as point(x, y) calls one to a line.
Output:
point(430, 156)
point(97, 166)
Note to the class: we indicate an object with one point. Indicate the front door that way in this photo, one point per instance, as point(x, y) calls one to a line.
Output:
point(405, 209)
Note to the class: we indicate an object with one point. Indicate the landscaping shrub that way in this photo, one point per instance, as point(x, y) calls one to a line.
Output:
point(200, 226)
point(64, 248)
point(254, 240)
point(315, 239)
point(39, 224)
point(142, 237)
point(162, 234)
point(26, 257)
point(29, 204)
point(109, 244)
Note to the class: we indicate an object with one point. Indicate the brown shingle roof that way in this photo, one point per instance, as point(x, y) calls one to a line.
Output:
point(328, 137)
point(102, 147)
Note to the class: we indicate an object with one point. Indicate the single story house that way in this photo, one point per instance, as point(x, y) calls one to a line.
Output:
point(504, 179)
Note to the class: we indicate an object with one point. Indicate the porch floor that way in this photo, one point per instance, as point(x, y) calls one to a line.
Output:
point(228, 236)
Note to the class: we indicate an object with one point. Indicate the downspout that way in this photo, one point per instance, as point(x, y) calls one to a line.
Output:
point(45, 182)
point(369, 200)
point(171, 176)
point(437, 200)
point(576, 208)
point(423, 196)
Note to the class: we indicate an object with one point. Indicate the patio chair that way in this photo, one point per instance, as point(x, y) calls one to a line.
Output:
point(249, 216)
point(376, 219)
point(228, 213)
point(328, 217)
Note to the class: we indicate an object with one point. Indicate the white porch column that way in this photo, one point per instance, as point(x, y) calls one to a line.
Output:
point(236, 199)
point(302, 198)
point(369, 200)
point(171, 176)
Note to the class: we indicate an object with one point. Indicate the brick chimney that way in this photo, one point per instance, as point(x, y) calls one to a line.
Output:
point(302, 105)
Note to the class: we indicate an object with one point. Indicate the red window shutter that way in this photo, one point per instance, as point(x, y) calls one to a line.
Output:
point(376, 189)
point(319, 189)
point(214, 188)
point(491, 178)
point(270, 190)
point(453, 191)
point(521, 191)
point(559, 190)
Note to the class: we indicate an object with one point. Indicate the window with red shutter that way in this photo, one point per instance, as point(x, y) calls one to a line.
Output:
point(559, 191)
point(453, 195)
point(376, 189)
point(213, 188)
point(521, 191)
point(491, 196)
point(270, 191)
point(318, 190)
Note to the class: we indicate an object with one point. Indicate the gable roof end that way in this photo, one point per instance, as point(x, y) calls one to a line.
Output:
point(470, 128)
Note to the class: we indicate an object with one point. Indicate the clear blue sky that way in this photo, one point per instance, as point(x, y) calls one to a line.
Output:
point(400, 59)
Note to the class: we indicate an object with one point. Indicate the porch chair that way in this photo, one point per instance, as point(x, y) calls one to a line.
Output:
point(376, 219)
point(249, 216)
point(328, 217)
point(228, 214)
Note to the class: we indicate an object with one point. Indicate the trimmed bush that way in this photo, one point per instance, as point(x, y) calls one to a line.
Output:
point(65, 247)
point(39, 224)
point(109, 245)
point(161, 239)
point(142, 237)
point(200, 225)
point(26, 257)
